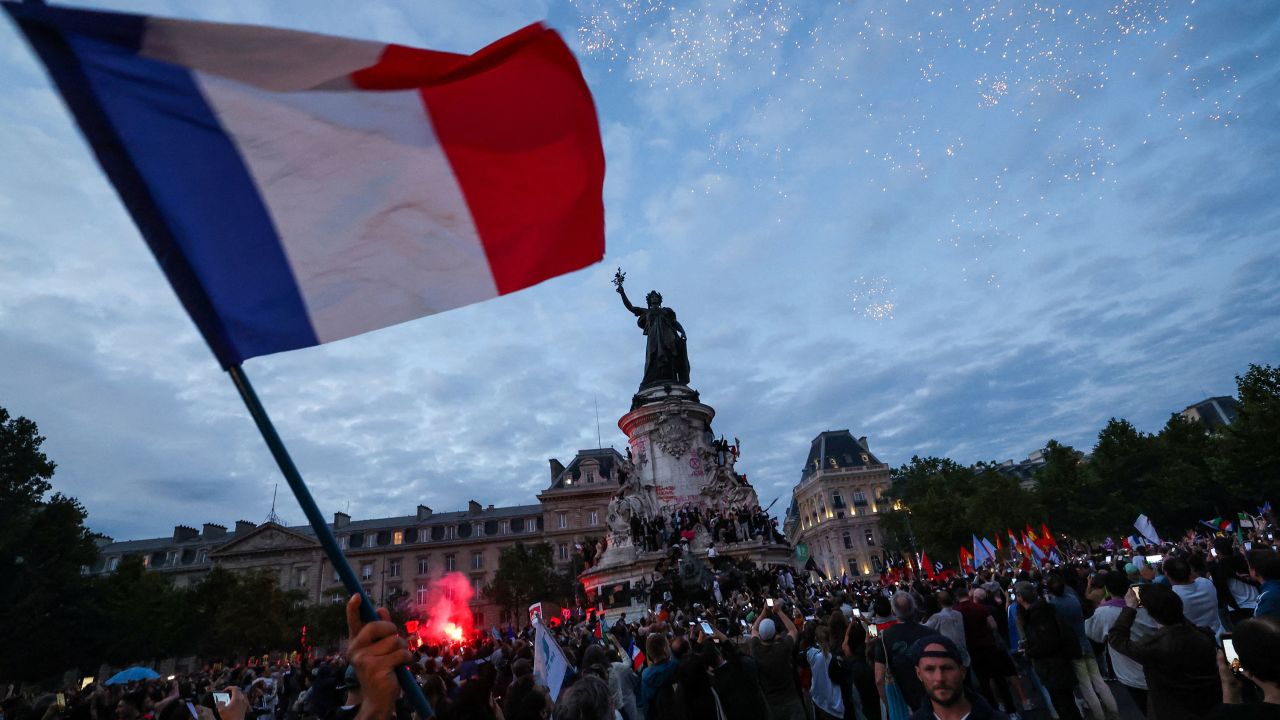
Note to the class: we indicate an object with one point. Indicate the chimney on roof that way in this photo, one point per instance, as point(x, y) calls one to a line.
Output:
point(341, 520)
point(244, 527)
point(182, 532)
point(214, 530)
point(490, 508)
point(863, 442)
point(473, 507)
point(424, 512)
point(556, 469)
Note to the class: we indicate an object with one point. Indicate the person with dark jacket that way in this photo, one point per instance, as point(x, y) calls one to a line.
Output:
point(1179, 660)
point(736, 682)
point(1050, 643)
point(941, 674)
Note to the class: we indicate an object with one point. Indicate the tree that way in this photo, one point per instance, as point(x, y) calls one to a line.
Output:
point(43, 546)
point(1075, 499)
point(525, 575)
point(1248, 466)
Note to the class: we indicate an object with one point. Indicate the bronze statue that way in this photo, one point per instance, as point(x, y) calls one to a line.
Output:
point(666, 357)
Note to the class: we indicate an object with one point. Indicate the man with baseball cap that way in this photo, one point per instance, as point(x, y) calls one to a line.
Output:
point(941, 672)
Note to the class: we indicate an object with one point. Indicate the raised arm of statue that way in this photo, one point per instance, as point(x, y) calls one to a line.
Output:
point(627, 303)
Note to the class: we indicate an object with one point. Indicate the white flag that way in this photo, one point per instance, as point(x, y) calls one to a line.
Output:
point(1146, 530)
point(549, 663)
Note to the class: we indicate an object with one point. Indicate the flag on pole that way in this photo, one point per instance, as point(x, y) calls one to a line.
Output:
point(550, 666)
point(966, 560)
point(298, 188)
point(1146, 530)
point(929, 571)
point(990, 549)
point(979, 552)
point(1046, 536)
point(1014, 545)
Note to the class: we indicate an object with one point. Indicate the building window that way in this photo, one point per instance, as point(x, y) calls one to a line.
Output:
point(397, 537)
point(114, 563)
point(871, 538)
point(592, 518)
point(859, 499)
point(517, 525)
point(302, 577)
point(393, 568)
point(450, 563)
point(201, 557)
point(848, 541)
point(366, 571)
point(450, 532)
point(423, 566)
point(563, 551)
point(371, 540)
point(479, 620)
point(866, 458)
point(343, 541)
point(505, 527)
point(422, 594)
point(836, 500)
point(562, 520)
point(477, 561)
point(591, 476)
point(853, 567)
point(477, 583)
point(423, 534)
point(875, 563)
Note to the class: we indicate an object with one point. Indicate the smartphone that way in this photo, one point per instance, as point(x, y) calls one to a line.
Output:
point(1213, 552)
point(769, 602)
point(1110, 559)
point(873, 631)
point(706, 628)
point(221, 698)
point(1229, 649)
point(744, 622)
point(86, 682)
point(1153, 559)
point(61, 700)
point(857, 612)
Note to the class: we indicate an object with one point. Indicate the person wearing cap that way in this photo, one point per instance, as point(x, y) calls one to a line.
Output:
point(941, 672)
point(775, 658)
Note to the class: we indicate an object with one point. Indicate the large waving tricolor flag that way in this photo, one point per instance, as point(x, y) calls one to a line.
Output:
point(300, 188)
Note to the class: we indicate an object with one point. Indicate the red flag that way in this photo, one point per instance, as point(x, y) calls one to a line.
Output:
point(928, 566)
point(1046, 536)
point(966, 559)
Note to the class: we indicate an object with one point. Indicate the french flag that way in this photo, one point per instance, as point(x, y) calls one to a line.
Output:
point(300, 188)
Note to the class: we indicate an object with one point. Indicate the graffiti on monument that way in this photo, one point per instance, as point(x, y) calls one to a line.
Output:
point(696, 465)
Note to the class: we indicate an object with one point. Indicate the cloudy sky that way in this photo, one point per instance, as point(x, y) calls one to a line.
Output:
point(960, 229)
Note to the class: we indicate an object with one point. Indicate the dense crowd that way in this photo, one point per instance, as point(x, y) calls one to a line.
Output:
point(1188, 629)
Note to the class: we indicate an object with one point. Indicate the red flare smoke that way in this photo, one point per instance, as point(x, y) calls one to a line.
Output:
point(446, 615)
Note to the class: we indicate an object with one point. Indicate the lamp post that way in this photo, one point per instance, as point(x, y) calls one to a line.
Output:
point(911, 536)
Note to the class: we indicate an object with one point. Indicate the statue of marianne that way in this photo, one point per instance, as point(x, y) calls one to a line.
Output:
point(666, 358)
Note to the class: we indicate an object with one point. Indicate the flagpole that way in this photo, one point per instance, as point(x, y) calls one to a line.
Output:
point(321, 528)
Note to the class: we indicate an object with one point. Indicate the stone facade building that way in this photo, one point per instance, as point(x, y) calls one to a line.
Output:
point(394, 555)
point(835, 506)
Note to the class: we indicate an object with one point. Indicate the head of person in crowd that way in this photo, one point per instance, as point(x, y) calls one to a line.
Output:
point(880, 607)
point(940, 670)
point(1257, 642)
point(944, 599)
point(1163, 604)
point(904, 606)
point(595, 662)
point(1265, 564)
point(1116, 584)
point(656, 648)
point(586, 699)
point(1025, 593)
point(1055, 584)
point(767, 630)
point(525, 700)
point(1178, 570)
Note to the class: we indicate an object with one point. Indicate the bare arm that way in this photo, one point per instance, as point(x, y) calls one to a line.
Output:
point(791, 626)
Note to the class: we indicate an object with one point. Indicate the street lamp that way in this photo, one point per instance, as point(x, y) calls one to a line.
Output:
point(900, 507)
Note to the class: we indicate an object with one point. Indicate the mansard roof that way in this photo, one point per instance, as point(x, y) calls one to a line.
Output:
point(607, 459)
point(837, 450)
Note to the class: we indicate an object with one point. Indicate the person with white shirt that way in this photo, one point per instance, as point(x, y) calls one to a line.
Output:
point(1128, 671)
point(1199, 596)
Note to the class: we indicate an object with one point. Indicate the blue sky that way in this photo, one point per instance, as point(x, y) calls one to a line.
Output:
point(960, 229)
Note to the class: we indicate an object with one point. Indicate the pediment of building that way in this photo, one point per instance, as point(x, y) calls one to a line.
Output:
point(268, 537)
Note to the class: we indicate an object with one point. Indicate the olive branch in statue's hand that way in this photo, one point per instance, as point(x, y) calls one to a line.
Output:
point(618, 277)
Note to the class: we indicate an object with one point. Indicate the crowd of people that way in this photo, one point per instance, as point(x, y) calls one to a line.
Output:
point(721, 525)
point(1189, 630)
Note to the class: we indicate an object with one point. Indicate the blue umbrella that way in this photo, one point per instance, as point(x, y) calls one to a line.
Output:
point(133, 674)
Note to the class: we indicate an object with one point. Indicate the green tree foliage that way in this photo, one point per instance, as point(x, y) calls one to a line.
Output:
point(43, 545)
point(1248, 465)
point(525, 575)
point(1177, 476)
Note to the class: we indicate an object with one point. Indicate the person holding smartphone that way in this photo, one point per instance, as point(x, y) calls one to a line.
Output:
point(1250, 654)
